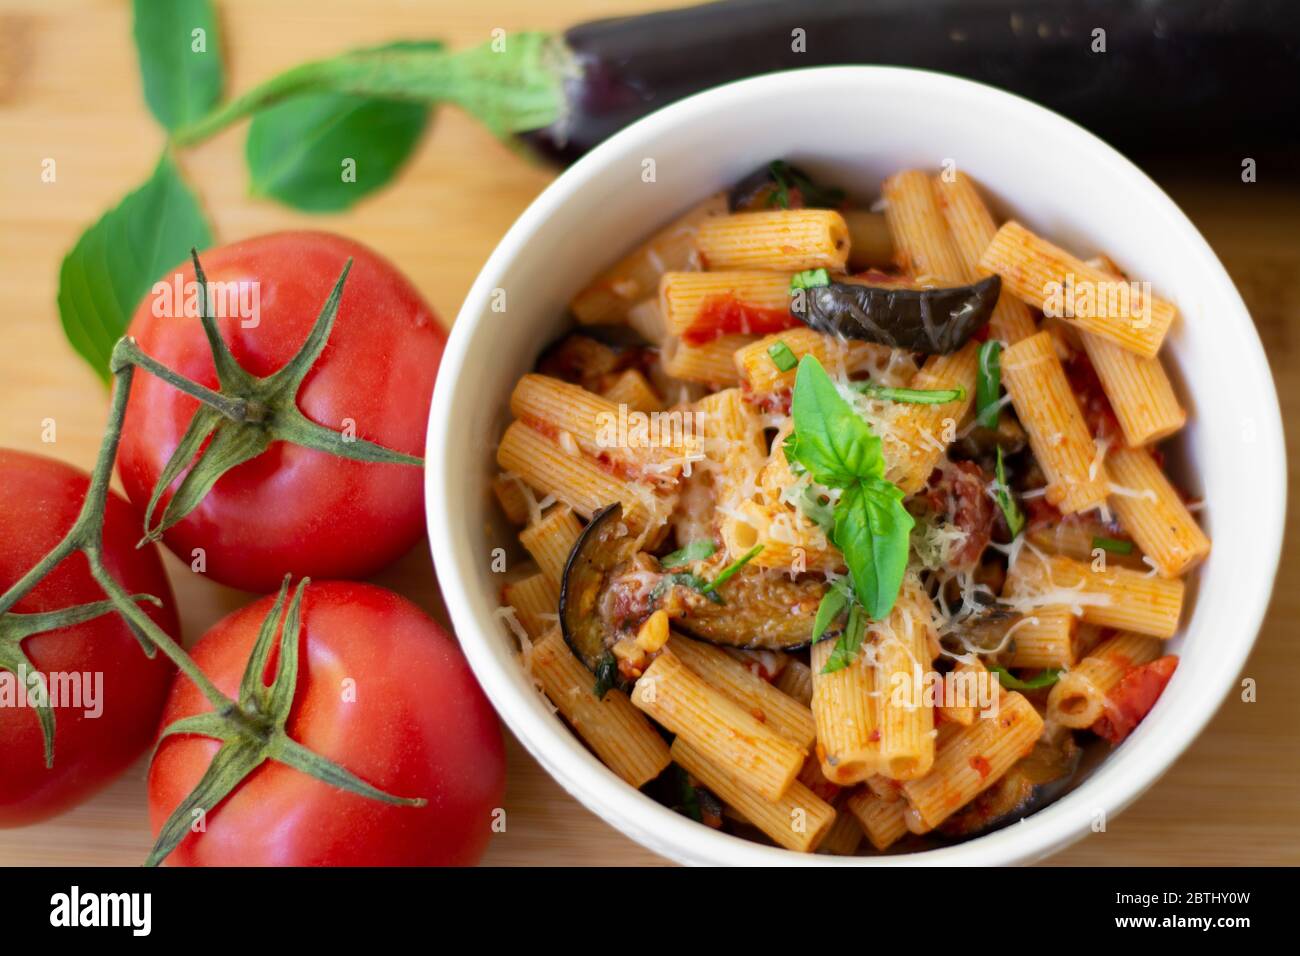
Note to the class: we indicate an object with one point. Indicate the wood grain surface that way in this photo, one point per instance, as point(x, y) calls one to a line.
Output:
point(69, 90)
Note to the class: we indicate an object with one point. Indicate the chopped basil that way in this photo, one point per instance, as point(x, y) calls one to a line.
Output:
point(1044, 679)
point(784, 176)
point(809, 279)
point(695, 551)
point(846, 648)
point(1010, 509)
point(685, 579)
point(911, 396)
point(988, 384)
point(606, 675)
point(833, 603)
point(725, 574)
point(782, 357)
point(1113, 545)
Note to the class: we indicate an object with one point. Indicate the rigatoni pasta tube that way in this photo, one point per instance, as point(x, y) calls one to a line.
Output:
point(785, 240)
point(844, 836)
point(512, 496)
point(632, 389)
point(796, 680)
point(619, 734)
point(1138, 389)
point(1043, 637)
point(797, 820)
point(712, 363)
point(759, 298)
point(919, 434)
point(972, 229)
point(574, 478)
point(1056, 427)
point(614, 292)
point(903, 658)
point(1152, 511)
point(1065, 287)
point(971, 759)
point(847, 716)
point(760, 372)
point(601, 428)
point(870, 243)
point(536, 600)
point(784, 714)
point(881, 820)
point(922, 243)
point(1078, 699)
point(725, 733)
point(1114, 597)
point(551, 540)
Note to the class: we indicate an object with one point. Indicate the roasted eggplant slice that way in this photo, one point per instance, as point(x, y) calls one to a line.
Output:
point(603, 546)
point(931, 321)
point(779, 185)
point(610, 589)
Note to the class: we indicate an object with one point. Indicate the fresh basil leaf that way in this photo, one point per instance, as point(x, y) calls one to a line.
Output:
point(830, 439)
point(846, 648)
point(1043, 679)
point(695, 551)
point(833, 603)
point(1010, 509)
point(988, 384)
point(726, 573)
point(180, 58)
point(1113, 545)
point(325, 152)
point(912, 396)
point(117, 260)
point(872, 529)
point(782, 356)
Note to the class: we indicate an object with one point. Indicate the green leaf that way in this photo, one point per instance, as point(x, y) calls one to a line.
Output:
point(606, 675)
point(730, 570)
point(181, 83)
point(846, 648)
point(830, 439)
point(1010, 509)
point(833, 603)
point(872, 528)
point(1113, 545)
point(117, 260)
point(782, 356)
point(695, 551)
point(300, 151)
point(1043, 679)
point(988, 384)
point(809, 279)
point(912, 396)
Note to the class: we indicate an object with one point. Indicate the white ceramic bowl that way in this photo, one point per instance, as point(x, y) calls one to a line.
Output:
point(854, 126)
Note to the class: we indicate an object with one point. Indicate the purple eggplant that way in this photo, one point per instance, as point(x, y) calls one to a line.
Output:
point(1175, 76)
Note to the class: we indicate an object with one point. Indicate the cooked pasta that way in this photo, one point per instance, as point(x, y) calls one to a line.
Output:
point(875, 516)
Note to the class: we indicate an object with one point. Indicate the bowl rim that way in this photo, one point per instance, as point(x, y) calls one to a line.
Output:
point(660, 829)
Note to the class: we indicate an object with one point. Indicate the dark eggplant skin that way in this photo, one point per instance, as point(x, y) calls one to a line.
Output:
point(761, 189)
point(930, 321)
point(1177, 77)
point(597, 551)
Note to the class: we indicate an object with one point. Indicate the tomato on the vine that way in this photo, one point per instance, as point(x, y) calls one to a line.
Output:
point(383, 692)
point(122, 690)
point(292, 509)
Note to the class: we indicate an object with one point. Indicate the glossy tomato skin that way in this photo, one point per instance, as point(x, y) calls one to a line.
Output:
point(39, 501)
point(383, 691)
point(292, 509)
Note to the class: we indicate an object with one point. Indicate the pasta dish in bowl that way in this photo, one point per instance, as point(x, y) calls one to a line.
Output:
point(847, 525)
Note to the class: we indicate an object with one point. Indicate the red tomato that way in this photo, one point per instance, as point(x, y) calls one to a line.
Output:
point(39, 501)
point(293, 509)
point(384, 692)
point(1133, 697)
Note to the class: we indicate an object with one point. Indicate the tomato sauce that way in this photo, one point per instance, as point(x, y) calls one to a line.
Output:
point(721, 315)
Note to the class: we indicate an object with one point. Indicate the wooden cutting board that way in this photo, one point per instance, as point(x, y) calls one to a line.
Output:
point(69, 90)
